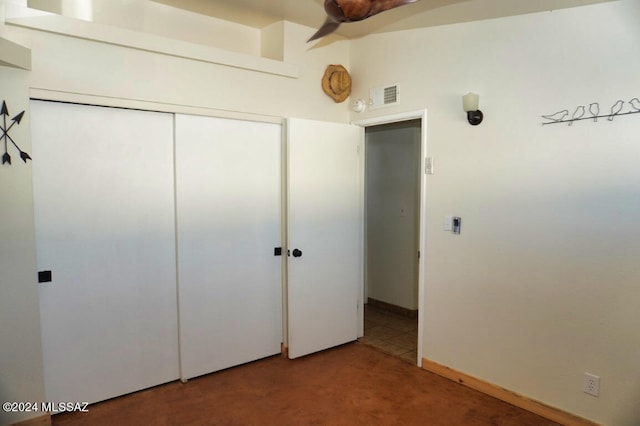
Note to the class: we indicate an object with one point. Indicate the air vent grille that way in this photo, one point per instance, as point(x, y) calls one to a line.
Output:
point(384, 96)
point(390, 95)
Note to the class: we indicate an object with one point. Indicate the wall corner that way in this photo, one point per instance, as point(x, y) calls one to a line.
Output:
point(272, 41)
point(14, 55)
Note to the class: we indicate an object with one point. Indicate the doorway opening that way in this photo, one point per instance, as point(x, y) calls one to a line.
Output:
point(392, 205)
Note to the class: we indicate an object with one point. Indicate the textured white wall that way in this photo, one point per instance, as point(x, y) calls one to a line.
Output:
point(155, 18)
point(542, 284)
point(21, 374)
point(75, 65)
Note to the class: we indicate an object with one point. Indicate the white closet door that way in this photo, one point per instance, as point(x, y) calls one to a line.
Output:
point(324, 235)
point(229, 214)
point(105, 228)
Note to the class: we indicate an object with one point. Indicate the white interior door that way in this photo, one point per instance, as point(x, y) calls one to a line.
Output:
point(105, 228)
point(228, 186)
point(324, 235)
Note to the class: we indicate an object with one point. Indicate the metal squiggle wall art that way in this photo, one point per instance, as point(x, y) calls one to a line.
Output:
point(6, 138)
point(592, 112)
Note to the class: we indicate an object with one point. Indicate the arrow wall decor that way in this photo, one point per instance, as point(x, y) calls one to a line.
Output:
point(4, 134)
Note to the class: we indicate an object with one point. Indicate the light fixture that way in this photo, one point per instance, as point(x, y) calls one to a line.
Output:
point(358, 105)
point(470, 103)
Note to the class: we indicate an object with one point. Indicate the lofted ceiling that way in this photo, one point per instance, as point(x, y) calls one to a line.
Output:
point(423, 13)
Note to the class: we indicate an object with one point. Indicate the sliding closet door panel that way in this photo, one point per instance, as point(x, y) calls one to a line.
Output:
point(228, 211)
point(105, 227)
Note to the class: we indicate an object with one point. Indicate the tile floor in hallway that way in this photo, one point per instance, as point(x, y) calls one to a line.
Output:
point(390, 332)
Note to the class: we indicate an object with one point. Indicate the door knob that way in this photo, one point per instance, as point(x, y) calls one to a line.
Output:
point(297, 253)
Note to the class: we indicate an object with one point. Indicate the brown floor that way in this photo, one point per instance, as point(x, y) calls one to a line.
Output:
point(392, 333)
point(352, 384)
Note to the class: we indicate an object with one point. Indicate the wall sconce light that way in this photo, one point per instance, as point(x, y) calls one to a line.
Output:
point(470, 103)
point(358, 106)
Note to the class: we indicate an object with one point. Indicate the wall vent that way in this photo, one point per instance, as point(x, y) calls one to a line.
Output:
point(384, 96)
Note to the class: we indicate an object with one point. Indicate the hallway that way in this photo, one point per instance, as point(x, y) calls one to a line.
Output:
point(392, 333)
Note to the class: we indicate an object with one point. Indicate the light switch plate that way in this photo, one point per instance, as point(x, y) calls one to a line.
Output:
point(428, 165)
point(448, 223)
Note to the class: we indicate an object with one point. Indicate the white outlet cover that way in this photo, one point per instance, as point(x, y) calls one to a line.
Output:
point(591, 384)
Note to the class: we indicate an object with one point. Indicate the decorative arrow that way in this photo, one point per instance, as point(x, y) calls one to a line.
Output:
point(6, 158)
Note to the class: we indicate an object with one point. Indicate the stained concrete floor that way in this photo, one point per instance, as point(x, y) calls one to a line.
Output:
point(354, 384)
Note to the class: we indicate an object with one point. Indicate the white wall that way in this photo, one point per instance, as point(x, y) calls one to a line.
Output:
point(542, 284)
point(21, 374)
point(74, 66)
point(159, 19)
point(392, 209)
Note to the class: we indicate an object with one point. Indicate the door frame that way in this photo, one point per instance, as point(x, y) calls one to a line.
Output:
point(388, 119)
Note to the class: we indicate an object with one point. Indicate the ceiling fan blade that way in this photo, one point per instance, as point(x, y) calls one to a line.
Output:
point(328, 27)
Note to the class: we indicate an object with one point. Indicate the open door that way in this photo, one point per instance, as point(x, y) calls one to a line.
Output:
point(324, 235)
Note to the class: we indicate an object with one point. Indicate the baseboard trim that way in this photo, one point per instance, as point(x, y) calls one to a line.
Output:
point(35, 421)
point(409, 313)
point(506, 395)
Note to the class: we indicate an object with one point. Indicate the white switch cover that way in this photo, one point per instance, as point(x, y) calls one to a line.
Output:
point(448, 223)
point(428, 165)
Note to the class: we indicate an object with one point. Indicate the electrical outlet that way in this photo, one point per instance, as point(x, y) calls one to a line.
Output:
point(591, 384)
